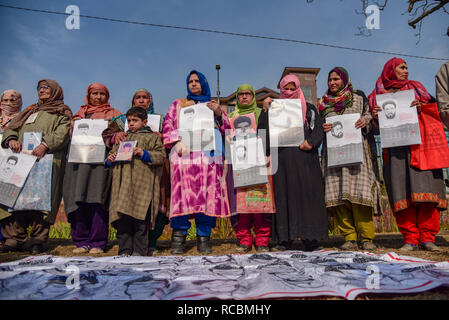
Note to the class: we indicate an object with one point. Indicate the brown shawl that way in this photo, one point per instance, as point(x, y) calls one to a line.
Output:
point(53, 105)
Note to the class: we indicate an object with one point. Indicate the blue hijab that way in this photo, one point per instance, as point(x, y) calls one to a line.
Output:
point(205, 90)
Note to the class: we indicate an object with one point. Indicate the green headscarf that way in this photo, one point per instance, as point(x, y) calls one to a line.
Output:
point(249, 108)
point(150, 109)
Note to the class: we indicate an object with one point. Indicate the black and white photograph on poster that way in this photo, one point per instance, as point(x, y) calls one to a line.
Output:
point(398, 122)
point(154, 121)
point(286, 123)
point(125, 150)
point(87, 144)
point(248, 162)
point(196, 127)
point(30, 141)
point(14, 170)
point(344, 141)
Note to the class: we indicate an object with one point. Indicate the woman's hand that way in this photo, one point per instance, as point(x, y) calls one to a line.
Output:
point(376, 112)
point(266, 103)
point(138, 152)
point(327, 127)
point(417, 104)
point(305, 146)
point(111, 157)
point(181, 149)
point(15, 146)
point(215, 107)
point(361, 123)
point(39, 151)
point(119, 137)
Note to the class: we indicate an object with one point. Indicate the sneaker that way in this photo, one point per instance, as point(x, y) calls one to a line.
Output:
point(243, 248)
point(408, 247)
point(96, 251)
point(368, 246)
point(82, 249)
point(430, 246)
point(350, 245)
point(36, 249)
point(262, 249)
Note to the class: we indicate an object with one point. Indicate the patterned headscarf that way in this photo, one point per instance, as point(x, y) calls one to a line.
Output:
point(339, 101)
point(11, 108)
point(388, 80)
point(296, 94)
point(53, 105)
point(150, 109)
point(205, 90)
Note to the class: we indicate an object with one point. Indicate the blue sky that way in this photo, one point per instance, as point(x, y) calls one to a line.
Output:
point(125, 57)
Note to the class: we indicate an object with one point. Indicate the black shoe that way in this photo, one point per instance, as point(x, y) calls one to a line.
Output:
point(36, 249)
point(150, 252)
point(203, 244)
point(310, 245)
point(178, 241)
point(5, 248)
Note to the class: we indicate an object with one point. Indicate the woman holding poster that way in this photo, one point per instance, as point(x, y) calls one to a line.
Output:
point(298, 186)
point(87, 185)
point(352, 192)
point(51, 117)
point(246, 111)
point(416, 196)
point(198, 186)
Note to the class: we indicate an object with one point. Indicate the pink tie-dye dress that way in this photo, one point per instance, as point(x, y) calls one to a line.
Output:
point(198, 183)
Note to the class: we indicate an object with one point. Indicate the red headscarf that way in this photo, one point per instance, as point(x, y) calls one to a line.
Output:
point(297, 94)
point(104, 111)
point(388, 80)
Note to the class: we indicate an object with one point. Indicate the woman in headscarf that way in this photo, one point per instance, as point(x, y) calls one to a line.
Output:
point(114, 134)
point(198, 186)
point(298, 187)
point(243, 223)
point(416, 196)
point(352, 192)
point(87, 186)
point(51, 117)
point(10, 106)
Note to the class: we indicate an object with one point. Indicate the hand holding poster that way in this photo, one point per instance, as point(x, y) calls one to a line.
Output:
point(30, 141)
point(14, 170)
point(344, 141)
point(87, 144)
point(398, 122)
point(196, 127)
point(125, 150)
point(286, 123)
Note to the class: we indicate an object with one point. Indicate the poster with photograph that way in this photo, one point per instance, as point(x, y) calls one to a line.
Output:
point(36, 192)
point(30, 141)
point(125, 150)
point(398, 122)
point(286, 123)
point(154, 121)
point(14, 170)
point(344, 141)
point(196, 127)
point(87, 144)
point(248, 162)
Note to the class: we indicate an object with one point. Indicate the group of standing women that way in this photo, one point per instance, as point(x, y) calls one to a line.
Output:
point(197, 185)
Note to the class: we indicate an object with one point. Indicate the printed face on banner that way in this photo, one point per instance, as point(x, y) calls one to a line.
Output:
point(286, 123)
point(247, 153)
point(196, 127)
point(398, 122)
point(337, 130)
point(88, 131)
point(125, 150)
point(14, 167)
point(244, 126)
